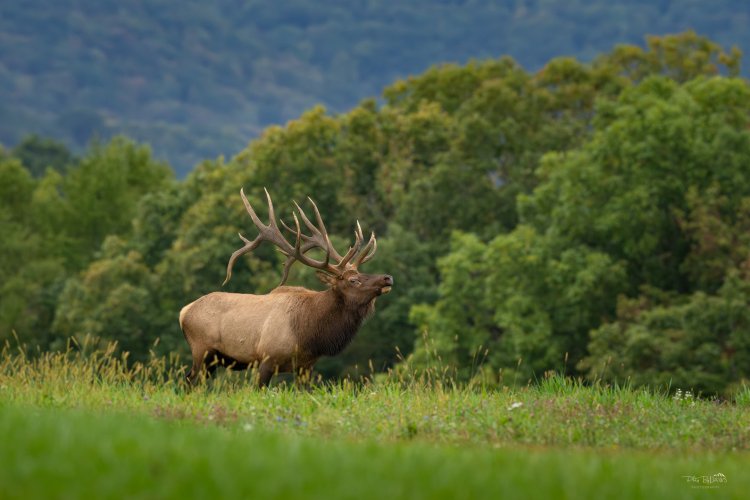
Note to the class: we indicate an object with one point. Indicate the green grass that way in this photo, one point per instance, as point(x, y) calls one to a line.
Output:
point(78, 426)
point(50, 454)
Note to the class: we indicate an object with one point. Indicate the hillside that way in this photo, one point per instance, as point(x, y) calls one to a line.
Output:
point(198, 79)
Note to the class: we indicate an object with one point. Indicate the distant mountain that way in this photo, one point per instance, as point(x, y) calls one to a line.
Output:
point(197, 79)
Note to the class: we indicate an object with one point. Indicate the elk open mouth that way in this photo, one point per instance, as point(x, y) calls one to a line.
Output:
point(385, 290)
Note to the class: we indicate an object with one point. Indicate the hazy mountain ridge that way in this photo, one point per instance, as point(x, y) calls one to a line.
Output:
point(197, 79)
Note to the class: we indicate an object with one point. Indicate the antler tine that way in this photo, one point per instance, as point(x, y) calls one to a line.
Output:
point(266, 233)
point(319, 219)
point(300, 249)
point(319, 233)
point(319, 237)
point(290, 259)
point(307, 222)
point(322, 227)
point(271, 212)
point(249, 246)
point(250, 210)
point(360, 235)
point(310, 242)
point(364, 256)
point(353, 249)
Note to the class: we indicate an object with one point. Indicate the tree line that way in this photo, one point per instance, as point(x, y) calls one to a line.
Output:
point(587, 217)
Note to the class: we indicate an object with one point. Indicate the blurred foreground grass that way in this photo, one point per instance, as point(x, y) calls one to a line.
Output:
point(86, 424)
point(53, 454)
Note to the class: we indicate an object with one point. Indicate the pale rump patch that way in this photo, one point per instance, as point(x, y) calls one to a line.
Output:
point(183, 312)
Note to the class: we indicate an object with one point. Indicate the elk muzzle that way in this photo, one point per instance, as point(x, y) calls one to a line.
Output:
point(387, 284)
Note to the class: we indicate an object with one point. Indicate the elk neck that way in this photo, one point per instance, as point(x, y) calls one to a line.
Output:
point(327, 323)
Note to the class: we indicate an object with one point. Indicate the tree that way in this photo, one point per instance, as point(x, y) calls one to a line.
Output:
point(623, 192)
point(114, 298)
point(651, 205)
point(103, 190)
point(681, 57)
point(38, 154)
point(30, 268)
point(55, 225)
point(699, 342)
point(522, 301)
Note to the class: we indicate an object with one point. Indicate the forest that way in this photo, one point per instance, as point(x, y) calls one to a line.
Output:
point(198, 79)
point(591, 218)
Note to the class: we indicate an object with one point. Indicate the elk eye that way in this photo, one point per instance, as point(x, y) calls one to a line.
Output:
point(354, 281)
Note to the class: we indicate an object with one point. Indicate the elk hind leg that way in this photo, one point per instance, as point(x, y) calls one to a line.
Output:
point(203, 362)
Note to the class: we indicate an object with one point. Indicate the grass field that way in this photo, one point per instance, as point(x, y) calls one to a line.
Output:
point(77, 426)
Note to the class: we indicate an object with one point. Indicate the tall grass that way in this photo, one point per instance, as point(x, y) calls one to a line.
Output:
point(87, 423)
point(400, 406)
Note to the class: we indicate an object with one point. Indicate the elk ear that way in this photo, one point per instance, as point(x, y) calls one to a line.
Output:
point(326, 278)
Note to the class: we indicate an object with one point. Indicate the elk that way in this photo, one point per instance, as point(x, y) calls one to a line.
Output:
point(288, 329)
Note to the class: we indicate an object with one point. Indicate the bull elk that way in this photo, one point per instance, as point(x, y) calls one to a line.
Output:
point(288, 329)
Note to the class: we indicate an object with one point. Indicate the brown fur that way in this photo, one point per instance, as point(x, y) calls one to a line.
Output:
point(287, 330)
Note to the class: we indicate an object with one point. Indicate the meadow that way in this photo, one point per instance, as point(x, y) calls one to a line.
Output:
point(86, 423)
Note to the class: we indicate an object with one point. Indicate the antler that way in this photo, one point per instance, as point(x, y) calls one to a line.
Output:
point(303, 242)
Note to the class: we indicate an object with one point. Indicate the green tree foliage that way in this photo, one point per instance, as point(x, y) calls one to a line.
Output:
point(681, 58)
point(522, 301)
point(38, 154)
point(113, 298)
point(54, 226)
point(16, 189)
point(699, 341)
point(624, 190)
point(561, 218)
point(103, 190)
point(655, 199)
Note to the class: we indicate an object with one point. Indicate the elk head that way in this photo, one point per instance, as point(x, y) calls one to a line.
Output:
point(341, 273)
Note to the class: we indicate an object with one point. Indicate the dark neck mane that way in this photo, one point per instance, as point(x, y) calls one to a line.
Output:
point(326, 323)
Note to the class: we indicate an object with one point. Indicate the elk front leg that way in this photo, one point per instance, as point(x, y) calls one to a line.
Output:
point(304, 376)
point(266, 370)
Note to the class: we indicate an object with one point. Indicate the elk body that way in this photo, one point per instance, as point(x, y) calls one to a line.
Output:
point(288, 329)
